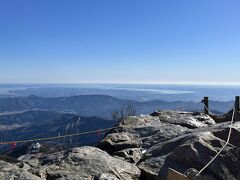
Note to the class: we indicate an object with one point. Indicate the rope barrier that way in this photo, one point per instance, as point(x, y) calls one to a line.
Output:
point(183, 108)
point(180, 108)
point(215, 113)
point(57, 137)
point(228, 139)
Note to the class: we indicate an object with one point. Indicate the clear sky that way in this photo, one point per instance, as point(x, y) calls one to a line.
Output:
point(133, 41)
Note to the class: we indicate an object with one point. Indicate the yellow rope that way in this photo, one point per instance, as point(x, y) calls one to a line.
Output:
point(57, 137)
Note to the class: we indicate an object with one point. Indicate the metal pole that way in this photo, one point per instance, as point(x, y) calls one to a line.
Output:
point(206, 107)
point(237, 108)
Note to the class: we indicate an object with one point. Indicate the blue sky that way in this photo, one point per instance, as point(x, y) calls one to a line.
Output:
point(120, 41)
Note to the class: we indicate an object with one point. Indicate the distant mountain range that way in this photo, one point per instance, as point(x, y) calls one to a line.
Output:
point(99, 105)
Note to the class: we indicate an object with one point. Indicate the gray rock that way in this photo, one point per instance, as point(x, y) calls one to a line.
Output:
point(186, 119)
point(12, 172)
point(78, 163)
point(143, 131)
point(130, 155)
point(193, 150)
point(120, 141)
point(180, 140)
point(88, 163)
point(107, 176)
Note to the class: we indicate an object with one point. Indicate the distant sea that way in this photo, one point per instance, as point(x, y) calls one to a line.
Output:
point(140, 92)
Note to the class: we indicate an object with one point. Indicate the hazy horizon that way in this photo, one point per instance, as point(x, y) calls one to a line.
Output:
point(125, 83)
point(139, 92)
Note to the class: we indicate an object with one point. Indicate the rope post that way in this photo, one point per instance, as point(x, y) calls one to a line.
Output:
point(206, 107)
point(237, 116)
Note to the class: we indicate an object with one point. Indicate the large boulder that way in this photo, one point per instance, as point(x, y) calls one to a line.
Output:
point(145, 130)
point(82, 163)
point(194, 150)
point(139, 131)
point(186, 119)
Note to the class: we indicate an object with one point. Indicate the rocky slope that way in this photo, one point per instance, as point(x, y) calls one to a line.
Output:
point(78, 163)
point(141, 147)
point(179, 140)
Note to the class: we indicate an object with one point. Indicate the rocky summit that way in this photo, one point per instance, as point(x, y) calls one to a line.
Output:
point(142, 147)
